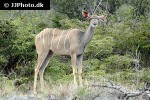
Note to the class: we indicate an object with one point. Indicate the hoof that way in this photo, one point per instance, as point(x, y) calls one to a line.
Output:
point(75, 85)
point(81, 85)
point(35, 93)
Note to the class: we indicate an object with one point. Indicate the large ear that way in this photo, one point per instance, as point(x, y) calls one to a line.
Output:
point(103, 18)
point(85, 14)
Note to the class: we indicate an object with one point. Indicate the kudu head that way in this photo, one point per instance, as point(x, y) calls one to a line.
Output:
point(94, 19)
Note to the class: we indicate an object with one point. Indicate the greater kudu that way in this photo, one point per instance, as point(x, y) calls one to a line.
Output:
point(64, 42)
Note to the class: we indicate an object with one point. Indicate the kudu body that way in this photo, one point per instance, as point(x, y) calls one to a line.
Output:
point(63, 42)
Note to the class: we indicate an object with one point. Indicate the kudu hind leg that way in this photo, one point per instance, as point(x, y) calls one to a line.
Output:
point(42, 69)
point(40, 60)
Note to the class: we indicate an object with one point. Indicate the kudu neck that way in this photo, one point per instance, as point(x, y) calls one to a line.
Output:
point(88, 35)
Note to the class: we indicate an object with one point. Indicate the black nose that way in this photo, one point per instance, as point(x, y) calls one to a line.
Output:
point(94, 24)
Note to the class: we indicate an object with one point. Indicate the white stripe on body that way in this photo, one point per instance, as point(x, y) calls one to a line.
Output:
point(49, 36)
point(66, 38)
point(52, 37)
point(43, 37)
point(59, 39)
point(69, 36)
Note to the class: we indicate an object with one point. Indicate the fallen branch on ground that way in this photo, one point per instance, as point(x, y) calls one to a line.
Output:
point(124, 95)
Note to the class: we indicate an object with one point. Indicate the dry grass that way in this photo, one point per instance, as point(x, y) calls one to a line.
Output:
point(6, 86)
point(63, 91)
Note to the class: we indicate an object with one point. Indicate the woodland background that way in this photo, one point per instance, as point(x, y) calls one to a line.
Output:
point(119, 49)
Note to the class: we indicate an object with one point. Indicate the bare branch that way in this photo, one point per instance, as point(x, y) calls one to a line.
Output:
point(112, 87)
point(124, 94)
point(134, 94)
point(97, 6)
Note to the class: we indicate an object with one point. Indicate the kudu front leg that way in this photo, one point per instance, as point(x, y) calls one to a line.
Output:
point(79, 63)
point(74, 67)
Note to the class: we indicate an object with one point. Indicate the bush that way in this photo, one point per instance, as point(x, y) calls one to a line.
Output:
point(7, 40)
point(125, 13)
point(131, 78)
point(99, 47)
point(116, 63)
point(57, 69)
point(73, 23)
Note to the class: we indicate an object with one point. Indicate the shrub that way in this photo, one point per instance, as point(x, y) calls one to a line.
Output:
point(99, 47)
point(125, 13)
point(73, 23)
point(7, 40)
point(116, 63)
